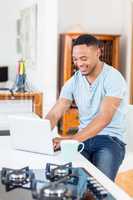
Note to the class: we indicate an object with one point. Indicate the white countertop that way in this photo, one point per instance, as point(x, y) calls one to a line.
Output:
point(17, 159)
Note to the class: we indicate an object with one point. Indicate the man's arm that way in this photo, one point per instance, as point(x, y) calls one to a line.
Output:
point(108, 108)
point(58, 110)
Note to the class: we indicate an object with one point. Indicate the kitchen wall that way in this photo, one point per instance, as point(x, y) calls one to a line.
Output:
point(43, 76)
point(95, 16)
point(9, 12)
point(127, 31)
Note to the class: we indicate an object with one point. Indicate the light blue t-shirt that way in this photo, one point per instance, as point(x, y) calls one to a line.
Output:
point(88, 98)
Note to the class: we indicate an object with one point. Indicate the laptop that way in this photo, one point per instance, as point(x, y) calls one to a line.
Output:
point(31, 134)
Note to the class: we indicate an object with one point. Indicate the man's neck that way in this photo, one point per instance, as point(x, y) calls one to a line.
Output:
point(92, 77)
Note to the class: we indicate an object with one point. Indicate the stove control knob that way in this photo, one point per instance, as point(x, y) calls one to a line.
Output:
point(102, 194)
point(90, 178)
point(93, 181)
point(89, 186)
point(97, 185)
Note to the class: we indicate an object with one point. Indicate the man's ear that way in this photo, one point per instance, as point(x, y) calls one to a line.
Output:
point(98, 52)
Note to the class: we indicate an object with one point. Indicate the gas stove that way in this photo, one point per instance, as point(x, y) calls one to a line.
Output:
point(55, 182)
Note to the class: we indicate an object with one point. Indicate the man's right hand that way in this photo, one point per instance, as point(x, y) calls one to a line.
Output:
point(57, 140)
point(56, 143)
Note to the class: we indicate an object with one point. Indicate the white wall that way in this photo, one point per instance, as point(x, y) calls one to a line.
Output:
point(7, 35)
point(44, 75)
point(95, 16)
point(9, 12)
point(128, 35)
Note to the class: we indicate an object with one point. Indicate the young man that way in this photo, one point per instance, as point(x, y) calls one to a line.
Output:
point(99, 91)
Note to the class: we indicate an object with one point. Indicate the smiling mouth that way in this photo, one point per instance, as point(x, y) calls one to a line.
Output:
point(83, 71)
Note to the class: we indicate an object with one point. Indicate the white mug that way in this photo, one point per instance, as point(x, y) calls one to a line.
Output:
point(69, 149)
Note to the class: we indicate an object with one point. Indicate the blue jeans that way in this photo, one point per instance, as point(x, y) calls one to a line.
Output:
point(106, 153)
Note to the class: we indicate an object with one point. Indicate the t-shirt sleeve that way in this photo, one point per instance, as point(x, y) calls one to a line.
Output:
point(115, 85)
point(67, 90)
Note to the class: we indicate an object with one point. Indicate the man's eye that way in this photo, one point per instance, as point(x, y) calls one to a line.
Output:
point(84, 59)
point(74, 60)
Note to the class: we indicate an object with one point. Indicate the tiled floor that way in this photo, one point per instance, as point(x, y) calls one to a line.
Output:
point(125, 175)
point(125, 181)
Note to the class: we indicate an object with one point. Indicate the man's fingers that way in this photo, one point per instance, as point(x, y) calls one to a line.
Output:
point(56, 147)
point(56, 143)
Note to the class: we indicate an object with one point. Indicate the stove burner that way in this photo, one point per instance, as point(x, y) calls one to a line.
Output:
point(61, 172)
point(17, 178)
point(60, 182)
point(54, 191)
point(57, 190)
point(56, 172)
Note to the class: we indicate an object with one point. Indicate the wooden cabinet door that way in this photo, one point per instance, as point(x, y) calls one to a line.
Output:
point(70, 122)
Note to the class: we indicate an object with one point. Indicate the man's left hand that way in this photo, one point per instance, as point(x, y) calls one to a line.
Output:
point(57, 140)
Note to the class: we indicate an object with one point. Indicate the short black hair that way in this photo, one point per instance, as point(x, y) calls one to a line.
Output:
point(86, 39)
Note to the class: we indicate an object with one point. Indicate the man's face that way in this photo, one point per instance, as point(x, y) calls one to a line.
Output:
point(86, 58)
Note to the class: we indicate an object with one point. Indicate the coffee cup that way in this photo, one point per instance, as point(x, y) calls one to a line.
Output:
point(70, 148)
